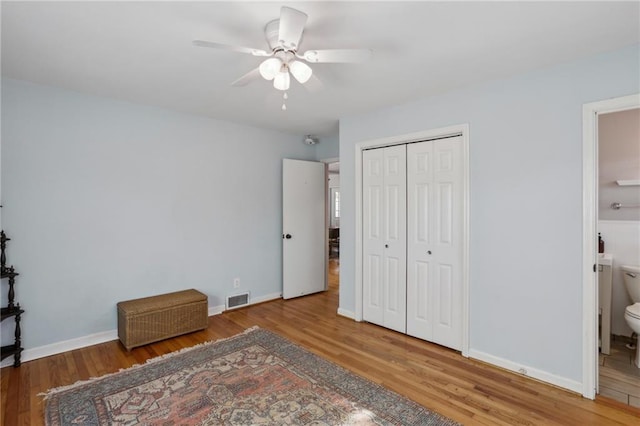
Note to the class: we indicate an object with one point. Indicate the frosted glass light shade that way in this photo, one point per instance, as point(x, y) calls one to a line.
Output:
point(301, 71)
point(270, 68)
point(281, 81)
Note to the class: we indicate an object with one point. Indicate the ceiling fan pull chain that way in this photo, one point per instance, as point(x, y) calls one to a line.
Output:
point(284, 100)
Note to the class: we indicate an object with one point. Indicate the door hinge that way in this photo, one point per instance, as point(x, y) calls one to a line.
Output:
point(594, 267)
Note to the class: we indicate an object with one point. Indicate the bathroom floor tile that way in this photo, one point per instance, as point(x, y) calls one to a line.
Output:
point(619, 352)
point(625, 367)
point(619, 378)
point(614, 394)
point(617, 381)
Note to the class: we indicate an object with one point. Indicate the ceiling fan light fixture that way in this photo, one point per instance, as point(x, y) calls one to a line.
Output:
point(301, 71)
point(270, 68)
point(282, 80)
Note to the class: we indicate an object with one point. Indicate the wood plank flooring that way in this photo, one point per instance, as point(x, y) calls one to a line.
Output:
point(468, 391)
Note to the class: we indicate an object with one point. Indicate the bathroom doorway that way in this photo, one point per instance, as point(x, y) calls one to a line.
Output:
point(608, 368)
point(618, 228)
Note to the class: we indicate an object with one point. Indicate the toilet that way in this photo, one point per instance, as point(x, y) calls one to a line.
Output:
point(631, 276)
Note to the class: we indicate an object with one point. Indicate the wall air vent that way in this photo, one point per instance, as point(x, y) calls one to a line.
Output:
point(237, 301)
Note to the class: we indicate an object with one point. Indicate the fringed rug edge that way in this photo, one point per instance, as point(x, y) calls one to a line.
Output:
point(45, 395)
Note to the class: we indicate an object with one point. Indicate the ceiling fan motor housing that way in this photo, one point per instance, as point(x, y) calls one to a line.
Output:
point(310, 140)
point(271, 32)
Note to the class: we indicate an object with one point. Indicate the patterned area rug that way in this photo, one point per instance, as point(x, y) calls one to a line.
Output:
point(254, 378)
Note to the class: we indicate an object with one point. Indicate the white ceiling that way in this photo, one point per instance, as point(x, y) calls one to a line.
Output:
point(142, 52)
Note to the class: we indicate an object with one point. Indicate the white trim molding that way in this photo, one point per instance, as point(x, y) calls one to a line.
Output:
point(265, 298)
point(590, 113)
point(347, 314)
point(64, 346)
point(527, 371)
point(460, 129)
point(216, 310)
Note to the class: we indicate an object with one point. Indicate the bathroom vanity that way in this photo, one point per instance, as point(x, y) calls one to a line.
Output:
point(605, 263)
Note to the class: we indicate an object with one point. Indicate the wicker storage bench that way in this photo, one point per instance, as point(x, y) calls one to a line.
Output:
point(150, 319)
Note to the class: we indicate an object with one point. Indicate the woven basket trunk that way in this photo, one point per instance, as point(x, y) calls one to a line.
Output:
point(150, 319)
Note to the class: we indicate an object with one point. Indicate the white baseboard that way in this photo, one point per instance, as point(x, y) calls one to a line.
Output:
point(524, 370)
point(216, 310)
point(347, 314)
point(63, 346)
point(265, 298)
point(105, 336)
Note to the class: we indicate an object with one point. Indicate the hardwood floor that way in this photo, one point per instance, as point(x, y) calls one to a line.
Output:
point(468, 391)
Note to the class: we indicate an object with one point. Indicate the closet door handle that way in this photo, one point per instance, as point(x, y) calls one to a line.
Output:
point(386, 246)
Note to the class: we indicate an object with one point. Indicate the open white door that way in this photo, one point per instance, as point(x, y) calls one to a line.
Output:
point(304, 227)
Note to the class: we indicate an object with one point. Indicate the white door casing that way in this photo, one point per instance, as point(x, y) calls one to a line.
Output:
point(303, 227)
point(384, 221)
point(434, 243)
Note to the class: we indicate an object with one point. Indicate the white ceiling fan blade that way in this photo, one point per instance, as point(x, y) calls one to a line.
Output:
point(252, 75)
point(313, 85)
point(240, 49)
point(291, 26)
point(352, 56)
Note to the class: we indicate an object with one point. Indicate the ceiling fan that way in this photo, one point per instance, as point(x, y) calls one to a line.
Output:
point(283, 59)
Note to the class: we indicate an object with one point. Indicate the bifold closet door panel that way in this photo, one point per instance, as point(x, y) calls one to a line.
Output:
point(434, 245)
point(373, 242)
point(420, 187)
point(395, 238)
point(384, 237)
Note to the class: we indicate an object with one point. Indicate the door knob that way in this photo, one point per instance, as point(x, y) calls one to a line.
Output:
point(386, 246)
point(288, 236)
point(429, 252)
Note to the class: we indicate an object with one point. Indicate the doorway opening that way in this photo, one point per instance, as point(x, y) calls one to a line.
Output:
point(595, 195)
point(618, 229)
point(333, 214)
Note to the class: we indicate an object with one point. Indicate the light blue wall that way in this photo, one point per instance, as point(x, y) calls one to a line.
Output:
point(525, 201)
point(107, 201)
point(327, 148)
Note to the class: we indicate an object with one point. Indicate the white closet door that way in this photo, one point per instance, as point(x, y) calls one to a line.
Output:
point(395, 238)
point(373, 241)
point(385, 231)
point(434, 248)
point(420, 240)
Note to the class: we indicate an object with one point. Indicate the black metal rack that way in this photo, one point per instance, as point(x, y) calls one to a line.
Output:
point(12, 310)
